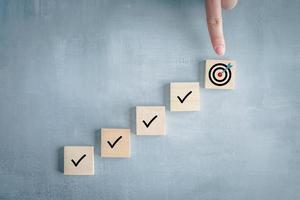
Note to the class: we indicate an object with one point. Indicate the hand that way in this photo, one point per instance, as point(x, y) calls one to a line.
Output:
point(214, 22)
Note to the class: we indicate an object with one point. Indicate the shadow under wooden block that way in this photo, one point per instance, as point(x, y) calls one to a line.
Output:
point(201, 72)
point(166, 95)
point(150, 120)
point(132, 119)
point(115, 143)
point(97, 140)
point(60, 164)
point(79, 160)
point(220, 74)
point(185, 96)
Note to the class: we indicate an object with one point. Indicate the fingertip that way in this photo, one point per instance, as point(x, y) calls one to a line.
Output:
point(220, 50)
point(228, 4)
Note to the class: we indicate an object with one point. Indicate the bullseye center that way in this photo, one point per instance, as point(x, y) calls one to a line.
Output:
point(220, 74)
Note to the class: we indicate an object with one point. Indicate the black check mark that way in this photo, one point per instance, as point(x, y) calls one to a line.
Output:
point(76, 163)
point(148, 124)
point(112, 145)
point(184, 98)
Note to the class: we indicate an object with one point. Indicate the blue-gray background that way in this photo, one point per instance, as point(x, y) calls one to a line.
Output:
point(68, 68)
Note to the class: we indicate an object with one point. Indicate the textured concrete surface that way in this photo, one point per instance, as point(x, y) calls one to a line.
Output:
point(69, 68)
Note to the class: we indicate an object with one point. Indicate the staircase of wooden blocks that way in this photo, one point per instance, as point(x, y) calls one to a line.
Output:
point(150, 120)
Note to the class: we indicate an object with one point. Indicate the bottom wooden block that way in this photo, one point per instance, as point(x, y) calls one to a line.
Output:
point(79, 160)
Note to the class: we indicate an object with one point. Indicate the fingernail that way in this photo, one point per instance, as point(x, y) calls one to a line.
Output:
point(220, 50)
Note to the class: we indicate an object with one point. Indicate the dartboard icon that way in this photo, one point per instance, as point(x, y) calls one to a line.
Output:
point(220, 74)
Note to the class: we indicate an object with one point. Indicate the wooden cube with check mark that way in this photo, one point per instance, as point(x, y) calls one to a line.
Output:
point(185, 96)
point(115, 143)
point(78, 160)
point(150, 120)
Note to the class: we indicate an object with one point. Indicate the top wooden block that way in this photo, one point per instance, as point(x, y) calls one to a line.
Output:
point(220, 74)
point(185, 96)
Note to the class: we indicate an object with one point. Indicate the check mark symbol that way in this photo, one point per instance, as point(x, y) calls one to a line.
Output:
point(148, 124)
point(76, 163)
point(112, 145)
point(184, 98)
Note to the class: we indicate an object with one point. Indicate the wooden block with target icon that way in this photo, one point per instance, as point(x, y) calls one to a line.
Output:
point(220, 74)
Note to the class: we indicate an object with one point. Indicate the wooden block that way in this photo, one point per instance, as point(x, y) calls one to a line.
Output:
point(220, 74)
point(115, 143)
point(150, 120)
point(78, 160)
point(185, 96)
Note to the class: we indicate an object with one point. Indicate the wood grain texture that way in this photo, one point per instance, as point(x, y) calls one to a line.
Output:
point(185, 96)
point(209, 64)
point(78, 160)
point(150, 120)
point(115, 143)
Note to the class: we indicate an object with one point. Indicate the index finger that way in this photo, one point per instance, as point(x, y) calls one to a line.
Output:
point(215, 25)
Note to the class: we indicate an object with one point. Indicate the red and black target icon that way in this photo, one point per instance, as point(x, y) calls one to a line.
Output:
point(220, 74)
